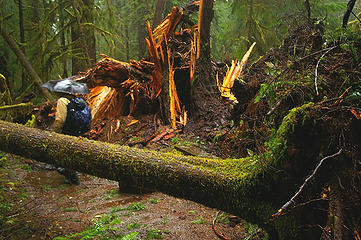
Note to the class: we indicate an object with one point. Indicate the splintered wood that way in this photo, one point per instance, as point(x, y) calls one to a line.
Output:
point(116, 87)
point(232, 74)
point(122, 88)
point(178, 47)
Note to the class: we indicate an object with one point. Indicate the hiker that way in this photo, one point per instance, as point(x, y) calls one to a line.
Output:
point(72, 115)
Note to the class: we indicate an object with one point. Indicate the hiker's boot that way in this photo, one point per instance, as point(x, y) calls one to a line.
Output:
point(71, 177)
point(61, 170)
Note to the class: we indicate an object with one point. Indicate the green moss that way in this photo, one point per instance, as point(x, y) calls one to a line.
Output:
point(277, 145)
point(31, 122)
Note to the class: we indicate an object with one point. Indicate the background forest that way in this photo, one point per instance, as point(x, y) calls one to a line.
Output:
point(62, 37)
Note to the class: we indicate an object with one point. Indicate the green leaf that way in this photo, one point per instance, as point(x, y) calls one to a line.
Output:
point(130, 236)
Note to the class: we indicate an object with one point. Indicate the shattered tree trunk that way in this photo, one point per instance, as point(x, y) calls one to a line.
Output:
point(252, 188)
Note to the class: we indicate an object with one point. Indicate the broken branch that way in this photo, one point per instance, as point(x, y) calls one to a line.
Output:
point(318, 63)
point(300, 190)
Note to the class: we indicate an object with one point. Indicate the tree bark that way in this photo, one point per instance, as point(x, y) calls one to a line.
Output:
point(159, 8)
point(350, 6)
point(83, 38)
point(252, 188)
point(22, 40)
point(208, 181)
point(308, 9)
point(36, 15)
point(204, 47)
point(62, 37)
point(25, 62)
point(141, 28)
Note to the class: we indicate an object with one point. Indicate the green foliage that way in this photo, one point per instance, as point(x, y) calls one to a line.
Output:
point(102, 228)
point(154, 234)
point(73, 209)
point(342, 35)
point(252, 230)
point(132, 226)
point(348, 38)
point(31, 122)
point(130, 236)
point(238, 23)
point(153, 201)
point(134, 207)
point(267, 91)
point(223, 218)
point(46, 187)
point(2, 159)
point(112, 194)
point(199, 221)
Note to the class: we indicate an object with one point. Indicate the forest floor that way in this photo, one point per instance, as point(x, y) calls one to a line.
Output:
point(38, 205)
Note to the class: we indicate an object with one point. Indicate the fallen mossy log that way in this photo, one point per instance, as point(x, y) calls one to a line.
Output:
point(9, 112)
point(252, 188)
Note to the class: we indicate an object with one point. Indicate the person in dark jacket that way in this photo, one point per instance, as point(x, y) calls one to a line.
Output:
point(65, 90)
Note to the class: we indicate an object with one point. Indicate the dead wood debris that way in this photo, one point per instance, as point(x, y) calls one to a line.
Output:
point(120, 88)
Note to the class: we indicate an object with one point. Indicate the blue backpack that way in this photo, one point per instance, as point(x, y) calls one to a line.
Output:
point(78, 117)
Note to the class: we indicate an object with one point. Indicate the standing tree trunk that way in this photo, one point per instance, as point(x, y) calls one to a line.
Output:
point(308, 9)
point(84, 51)
point(124, 32)
point(36, 16)
point(251, 25)
point(350, 6)
point(204, 47)
point(62, 37)
point(159, 8)
point(141, 28)
point(22, 40)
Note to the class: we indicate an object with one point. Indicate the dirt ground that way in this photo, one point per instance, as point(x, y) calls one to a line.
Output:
point(36, 204)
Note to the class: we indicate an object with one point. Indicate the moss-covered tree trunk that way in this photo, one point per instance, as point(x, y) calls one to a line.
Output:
point(22, 58)
point(253, 188)
point(84, 45)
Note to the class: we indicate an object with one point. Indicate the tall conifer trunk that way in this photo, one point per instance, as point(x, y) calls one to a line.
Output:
point(141, 28)
point(83, 37)
point(159, 8)
point(22, 40)
point(204, 23)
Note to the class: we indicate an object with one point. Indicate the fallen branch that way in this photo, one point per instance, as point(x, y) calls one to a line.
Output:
point(318, 63)
point(10, 41)
point(293, 199)
point(358, 19)
point(220, 235)
point(10, 111)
